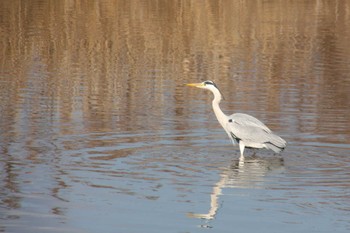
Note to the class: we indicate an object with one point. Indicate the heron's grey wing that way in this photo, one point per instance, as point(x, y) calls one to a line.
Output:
point(248, 120)
point(249, 134)
point(255, 136)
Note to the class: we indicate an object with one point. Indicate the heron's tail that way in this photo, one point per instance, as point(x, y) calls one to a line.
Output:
point(275, 143)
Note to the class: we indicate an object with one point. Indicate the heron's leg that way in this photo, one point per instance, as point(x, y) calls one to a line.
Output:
point(241, 148)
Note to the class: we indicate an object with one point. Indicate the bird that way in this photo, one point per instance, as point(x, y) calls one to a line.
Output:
point(243, 129)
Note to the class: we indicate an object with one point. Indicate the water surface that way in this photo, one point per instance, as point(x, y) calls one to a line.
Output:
point(99, 134)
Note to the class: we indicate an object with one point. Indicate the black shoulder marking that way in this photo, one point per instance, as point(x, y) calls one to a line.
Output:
point(235, 137)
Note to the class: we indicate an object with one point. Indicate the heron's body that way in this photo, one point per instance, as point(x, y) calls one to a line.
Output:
point(242, 128)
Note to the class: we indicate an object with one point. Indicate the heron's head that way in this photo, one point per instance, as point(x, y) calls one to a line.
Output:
point(210, 85)
point(205, 85)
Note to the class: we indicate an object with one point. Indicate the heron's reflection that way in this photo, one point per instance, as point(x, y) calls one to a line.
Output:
point(242, 173)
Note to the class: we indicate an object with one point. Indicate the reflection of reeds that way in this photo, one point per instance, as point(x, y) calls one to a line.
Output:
point(99, 57)
point(96, 59)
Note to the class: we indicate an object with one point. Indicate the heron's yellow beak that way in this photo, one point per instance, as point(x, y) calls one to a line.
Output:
point(195, 84)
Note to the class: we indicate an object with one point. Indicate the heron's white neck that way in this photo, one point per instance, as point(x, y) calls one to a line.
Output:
point(222, 118)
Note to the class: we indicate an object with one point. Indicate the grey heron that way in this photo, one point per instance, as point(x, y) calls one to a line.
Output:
point(243, 129)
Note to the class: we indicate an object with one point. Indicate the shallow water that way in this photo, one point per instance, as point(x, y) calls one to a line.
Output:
point(99, 134)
